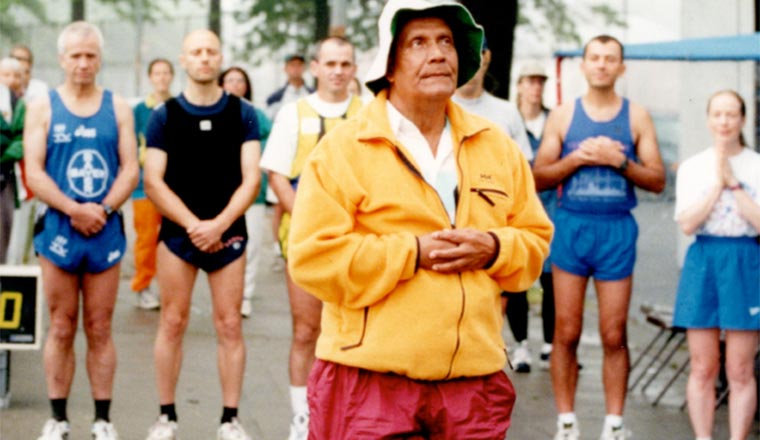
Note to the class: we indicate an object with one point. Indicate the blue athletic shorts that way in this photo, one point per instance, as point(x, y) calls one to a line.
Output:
point(182, 247)
point(58, 241)
point(720, 284)
point(602, 246)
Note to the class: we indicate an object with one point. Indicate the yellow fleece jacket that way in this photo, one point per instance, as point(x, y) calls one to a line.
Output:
point(360, 205)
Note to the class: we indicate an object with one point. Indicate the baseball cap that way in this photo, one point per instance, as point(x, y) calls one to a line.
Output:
point(532, 69)
point(294, 56)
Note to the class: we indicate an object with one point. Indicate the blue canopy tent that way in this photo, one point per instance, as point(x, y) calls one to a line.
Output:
point(723, 48)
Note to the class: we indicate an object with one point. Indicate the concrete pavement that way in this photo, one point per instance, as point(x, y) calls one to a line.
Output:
point(264, 409)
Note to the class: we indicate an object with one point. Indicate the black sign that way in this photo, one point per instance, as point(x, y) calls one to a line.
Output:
point(20, 307)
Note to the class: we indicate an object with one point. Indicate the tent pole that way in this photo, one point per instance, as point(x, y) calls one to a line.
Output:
point(559, 80)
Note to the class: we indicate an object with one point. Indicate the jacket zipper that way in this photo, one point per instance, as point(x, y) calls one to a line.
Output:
point(459, 325)
point(417, 173)
point(482, 192)
point(414, 170)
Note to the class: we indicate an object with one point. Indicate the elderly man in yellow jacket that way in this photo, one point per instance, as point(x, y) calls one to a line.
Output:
point(410, 219)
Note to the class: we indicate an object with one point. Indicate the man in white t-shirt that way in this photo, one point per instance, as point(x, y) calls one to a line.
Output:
point(32, 87)
point(473, 97)
point(297, 129)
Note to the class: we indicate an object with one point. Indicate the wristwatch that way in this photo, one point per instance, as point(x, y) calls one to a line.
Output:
point(623, 166)
point(107, 208)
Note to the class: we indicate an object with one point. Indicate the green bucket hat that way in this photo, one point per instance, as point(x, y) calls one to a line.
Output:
point(468, 37)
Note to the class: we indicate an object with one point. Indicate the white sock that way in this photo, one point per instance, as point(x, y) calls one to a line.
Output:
point(613, 420)
point(567, 418)
point(298, 401)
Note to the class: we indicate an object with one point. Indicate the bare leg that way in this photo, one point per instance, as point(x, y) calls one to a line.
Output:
point(99, 297)
point(227, 295)
point(614, 297)
point(704, 352)
point(306, 311)
point(62, 295)
point(569, 293)
point(175, 279)
point(741, 347)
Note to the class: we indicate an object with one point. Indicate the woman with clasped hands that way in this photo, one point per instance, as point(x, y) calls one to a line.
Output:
point(718, 200)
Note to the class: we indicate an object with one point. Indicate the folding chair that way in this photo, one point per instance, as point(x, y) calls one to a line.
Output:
point(675, 337)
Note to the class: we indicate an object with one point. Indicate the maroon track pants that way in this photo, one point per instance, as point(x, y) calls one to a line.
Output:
point(352, 403)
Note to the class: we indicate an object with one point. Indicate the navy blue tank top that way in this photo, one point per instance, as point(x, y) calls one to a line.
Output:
point(598, 189)
point(82, 153)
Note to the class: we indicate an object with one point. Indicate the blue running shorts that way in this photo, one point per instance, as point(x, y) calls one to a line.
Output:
point(182, 247)
point(602, 246)
point(720, 284)
point(58, 241)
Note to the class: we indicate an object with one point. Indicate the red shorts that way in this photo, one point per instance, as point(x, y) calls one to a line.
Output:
point(352, 403)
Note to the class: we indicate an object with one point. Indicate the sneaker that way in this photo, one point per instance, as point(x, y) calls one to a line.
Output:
point(567, 431)
point(299, 427)
point(55, 430)
point(521, 358)
point(102, 430)
point(232, 431)
point(246, 308)
point(278, 264)
point(615, 433)
point(545, 356)
point(148, 300)
point(163, 429)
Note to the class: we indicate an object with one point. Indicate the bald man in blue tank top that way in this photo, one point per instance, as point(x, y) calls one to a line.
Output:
point(81, 161)
point(595, 150)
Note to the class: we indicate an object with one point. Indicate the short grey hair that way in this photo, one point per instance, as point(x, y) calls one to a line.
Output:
point(10, 64)
point(81, 29)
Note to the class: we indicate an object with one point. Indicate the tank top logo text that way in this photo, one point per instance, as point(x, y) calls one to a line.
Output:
point(83, 132)
point(59, 134)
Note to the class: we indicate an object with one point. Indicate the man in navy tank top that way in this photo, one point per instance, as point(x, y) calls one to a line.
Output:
point(595, 150)
point(81, 162)
point(201, 172)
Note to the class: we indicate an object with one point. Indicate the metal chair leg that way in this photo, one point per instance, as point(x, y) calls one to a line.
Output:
point(671, 382)
point(647, 348)
point(652, 361)
point(665, 362)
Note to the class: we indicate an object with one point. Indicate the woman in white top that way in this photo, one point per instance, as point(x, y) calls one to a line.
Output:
point(718, 200)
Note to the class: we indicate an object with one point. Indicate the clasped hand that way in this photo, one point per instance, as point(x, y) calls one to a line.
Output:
point(206, 235)
point(601, 150)
point(88, 218)
point(726, 176)
point(456, 250)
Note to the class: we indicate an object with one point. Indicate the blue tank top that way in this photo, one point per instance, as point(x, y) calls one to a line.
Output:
point(598, 189)
point(82, 153)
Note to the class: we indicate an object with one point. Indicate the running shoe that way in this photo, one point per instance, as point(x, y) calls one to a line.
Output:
point(163, 429)
point(232, 431)
point(55, 430)
point(102, 430)
point(567, 431)
point(615, 433)
point(299, 427)
point(148, 300)
point(521, 358)
point(246, 308)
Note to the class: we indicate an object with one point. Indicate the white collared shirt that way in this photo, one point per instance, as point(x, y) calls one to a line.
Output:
point(440, 171)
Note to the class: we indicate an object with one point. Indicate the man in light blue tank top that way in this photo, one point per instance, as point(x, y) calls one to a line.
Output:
point(81, 161)
point(594, 151)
